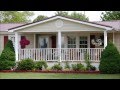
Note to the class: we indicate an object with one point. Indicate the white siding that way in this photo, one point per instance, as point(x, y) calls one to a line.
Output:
point(1, 43)
point(29, 37)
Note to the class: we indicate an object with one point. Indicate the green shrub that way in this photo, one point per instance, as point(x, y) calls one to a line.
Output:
point(67, 66)
point(110, 60)
point(78, 67)
point(6, 65)
point(7, 58)
point(7, 55)
point(93, 68)
point(40, 64)
point(26, 64)
point(57, 67)
point(9, 45)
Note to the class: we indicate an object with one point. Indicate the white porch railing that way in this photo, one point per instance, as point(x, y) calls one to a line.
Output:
point(48, 54)
point(67, 54)
point(77, 54)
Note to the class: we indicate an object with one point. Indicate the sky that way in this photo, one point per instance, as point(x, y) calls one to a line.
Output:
point(92, 15)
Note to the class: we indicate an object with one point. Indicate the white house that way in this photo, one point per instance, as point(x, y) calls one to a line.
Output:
point(61, 39)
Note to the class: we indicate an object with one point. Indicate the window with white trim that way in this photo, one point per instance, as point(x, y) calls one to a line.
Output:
point(83, 42)
point(62, 42)
point(71, 42)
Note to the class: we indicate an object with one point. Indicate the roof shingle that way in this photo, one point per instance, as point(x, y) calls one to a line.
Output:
point(115, 23)
point(6, 26)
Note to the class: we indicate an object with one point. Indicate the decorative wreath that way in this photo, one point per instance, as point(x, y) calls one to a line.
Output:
point(24, 42)
point(97, 42)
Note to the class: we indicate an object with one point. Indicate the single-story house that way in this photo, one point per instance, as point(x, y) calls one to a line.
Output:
point(60, 39)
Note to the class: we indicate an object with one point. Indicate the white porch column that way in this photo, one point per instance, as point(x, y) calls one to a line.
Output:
point(34, 41)
point(59, 44)
point(16, 46)
point(105, 38)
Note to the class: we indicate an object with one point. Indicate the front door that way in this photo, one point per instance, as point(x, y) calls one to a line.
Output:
point(43, 42)
point(53, 38)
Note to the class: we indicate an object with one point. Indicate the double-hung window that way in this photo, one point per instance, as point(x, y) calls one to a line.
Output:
point(83, 42)
point(71, 42)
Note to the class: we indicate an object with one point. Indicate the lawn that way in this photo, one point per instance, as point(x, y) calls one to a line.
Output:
point(57, 76)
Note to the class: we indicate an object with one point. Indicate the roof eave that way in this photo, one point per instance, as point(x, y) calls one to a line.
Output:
point(61, 17)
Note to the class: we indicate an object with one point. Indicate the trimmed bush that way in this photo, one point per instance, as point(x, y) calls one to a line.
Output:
point(26, 64)
point(7, 58)
point(40, 64)
point(57, 67)
point(110, 60)
point(78, 67)
point(6, 65)
point(7, 55)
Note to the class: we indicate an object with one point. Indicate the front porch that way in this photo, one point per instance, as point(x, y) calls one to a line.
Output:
point(60, 46)
point(62, 39)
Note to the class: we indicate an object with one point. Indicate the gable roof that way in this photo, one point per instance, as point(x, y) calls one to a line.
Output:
point(6, 26)
point(114, 23)
point(64, 18)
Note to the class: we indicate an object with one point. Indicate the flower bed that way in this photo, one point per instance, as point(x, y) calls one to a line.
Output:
point(51, 71)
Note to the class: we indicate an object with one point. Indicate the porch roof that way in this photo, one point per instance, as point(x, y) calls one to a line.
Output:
point(64, 18)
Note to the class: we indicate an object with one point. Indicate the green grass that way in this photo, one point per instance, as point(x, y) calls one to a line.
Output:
point(57, 76)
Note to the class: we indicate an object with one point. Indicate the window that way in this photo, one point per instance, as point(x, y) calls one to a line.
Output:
point(83, 42)
point(71, 42)
point(62, 42)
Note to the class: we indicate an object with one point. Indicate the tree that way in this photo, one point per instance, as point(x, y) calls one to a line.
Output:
point(110, 15)
point(62, 13)
point(74, 15)
point(110, 60)
point(15, 16)
point(40, 17)
point(79, 16)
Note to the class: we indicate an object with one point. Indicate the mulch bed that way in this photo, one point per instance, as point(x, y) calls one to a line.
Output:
point(53, 71)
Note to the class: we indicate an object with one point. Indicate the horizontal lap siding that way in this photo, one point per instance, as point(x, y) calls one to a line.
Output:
point(1, 42)
point(117, 40)
point(110, 37)
point(30, 37)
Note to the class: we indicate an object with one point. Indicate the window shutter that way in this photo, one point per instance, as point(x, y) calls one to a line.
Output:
point(5, 40)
